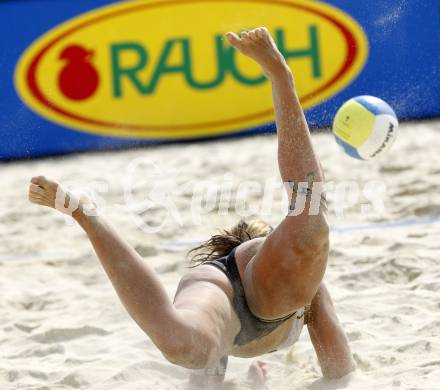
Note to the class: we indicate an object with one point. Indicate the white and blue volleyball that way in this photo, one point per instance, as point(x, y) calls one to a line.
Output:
point(365, 127)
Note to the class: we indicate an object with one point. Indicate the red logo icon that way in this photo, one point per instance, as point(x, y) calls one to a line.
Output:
point(79, 79)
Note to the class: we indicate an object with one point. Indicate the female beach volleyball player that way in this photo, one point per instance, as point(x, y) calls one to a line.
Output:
point(254, 287)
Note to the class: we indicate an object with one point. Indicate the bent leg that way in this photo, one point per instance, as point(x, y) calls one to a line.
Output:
point(189, 336)
point(136, 284)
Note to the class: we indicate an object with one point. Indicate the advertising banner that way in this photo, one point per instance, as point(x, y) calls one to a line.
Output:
point(95, 74)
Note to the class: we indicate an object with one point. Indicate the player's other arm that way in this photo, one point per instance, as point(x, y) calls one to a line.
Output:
point(329, 339)
point(209, 378)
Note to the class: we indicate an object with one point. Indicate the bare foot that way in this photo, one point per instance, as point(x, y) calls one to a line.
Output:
point(48, 193)
point(257, 374)
point(259, 45)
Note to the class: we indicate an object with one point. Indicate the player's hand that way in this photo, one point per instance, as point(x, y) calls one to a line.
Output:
point(260, 46)
point(257, 374)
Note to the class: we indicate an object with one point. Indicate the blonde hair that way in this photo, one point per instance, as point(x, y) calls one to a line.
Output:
point(222, 244)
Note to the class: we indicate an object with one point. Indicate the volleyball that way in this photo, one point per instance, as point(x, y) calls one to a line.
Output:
point(365, 127)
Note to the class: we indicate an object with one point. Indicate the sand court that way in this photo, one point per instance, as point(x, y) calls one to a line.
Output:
point(62, 326)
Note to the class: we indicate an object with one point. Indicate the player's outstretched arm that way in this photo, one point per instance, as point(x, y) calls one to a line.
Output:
point(328, 337)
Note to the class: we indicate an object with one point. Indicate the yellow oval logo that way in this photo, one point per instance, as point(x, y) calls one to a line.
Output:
point(162, 69)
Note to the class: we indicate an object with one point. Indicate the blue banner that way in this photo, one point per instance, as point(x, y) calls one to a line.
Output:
point(94, 74)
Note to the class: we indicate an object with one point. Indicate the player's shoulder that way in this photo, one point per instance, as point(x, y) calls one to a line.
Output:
point(206, 273)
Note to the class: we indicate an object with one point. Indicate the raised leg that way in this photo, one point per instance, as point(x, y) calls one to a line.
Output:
point(287, 270)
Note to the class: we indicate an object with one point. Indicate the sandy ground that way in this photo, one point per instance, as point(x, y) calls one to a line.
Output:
point(62, 326)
